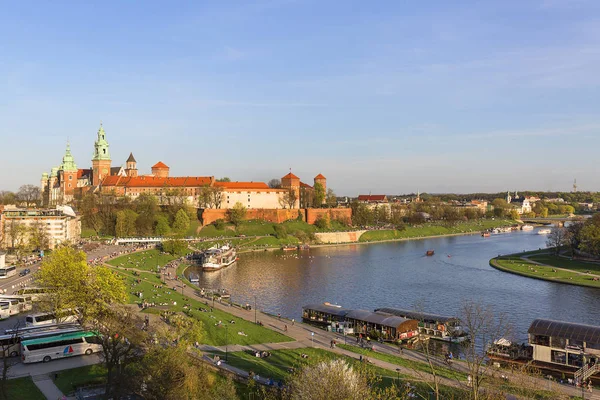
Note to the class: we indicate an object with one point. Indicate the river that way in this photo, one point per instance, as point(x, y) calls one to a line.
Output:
point(398, 274)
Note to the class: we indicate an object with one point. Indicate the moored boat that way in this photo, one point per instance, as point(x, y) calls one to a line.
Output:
point(544, 231)
point(216, 258)
point(527, 228)
point(194, 278)
point(289, 248)
point(485, 234)
point(430, 252)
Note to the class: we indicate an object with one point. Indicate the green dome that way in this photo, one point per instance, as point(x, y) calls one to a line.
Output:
point(54, 172)
point(101, 146)
point(68, 162)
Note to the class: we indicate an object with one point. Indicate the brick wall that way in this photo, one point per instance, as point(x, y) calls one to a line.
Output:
point(340, 214)
point(210, 215)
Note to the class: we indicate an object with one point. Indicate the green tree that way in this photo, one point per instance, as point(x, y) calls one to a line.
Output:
point(162, 226)
point(181, 223)
point(175, 247)
point(38, 236)
point(236, 214)
point(146, 205)
point(280, 231)
point(590, 236)
point(7, 197)
point(90, 217)
point(323, 222)
point(331, 198)
point(514, 215)
point(288, 199)
point(320, 194)
point(224, 179)
point(125, 225)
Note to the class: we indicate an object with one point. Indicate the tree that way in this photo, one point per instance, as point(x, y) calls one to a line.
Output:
point(288, 199)
point(323, 222)
point(236, 214)
point(590, 236)
point(514, 215)
point(280, 231)
point(319, 198)
point(275, 183)
point(38, 236)
point(558, 237)
point(210, 196)
point(224, 179)
point(76, 285)
point(6, 346)
point(162, 226)
point(88, 208)
point(125, 225)
point(29, 194)
point(17, 235)
point(174, 246)
point(7, 197)
point(485, 327)
point(181, 223)
point(146, 205)
point(333, 379)
point(331, 198)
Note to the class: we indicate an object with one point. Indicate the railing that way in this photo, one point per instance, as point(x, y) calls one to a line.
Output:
point(586, 371)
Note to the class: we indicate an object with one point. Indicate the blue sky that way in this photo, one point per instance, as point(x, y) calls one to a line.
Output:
point(387, 96)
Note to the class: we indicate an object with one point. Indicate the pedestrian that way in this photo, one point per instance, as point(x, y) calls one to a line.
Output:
point(293, 321)
point(285, 328)
point(590, 386)
point(279, 316)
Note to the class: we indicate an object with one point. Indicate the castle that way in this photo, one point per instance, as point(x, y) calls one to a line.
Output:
point(67, 183)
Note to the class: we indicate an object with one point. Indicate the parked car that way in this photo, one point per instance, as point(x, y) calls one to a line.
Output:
point(26, 271)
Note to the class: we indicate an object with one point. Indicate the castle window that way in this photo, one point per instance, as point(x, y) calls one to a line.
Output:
point(70, 177)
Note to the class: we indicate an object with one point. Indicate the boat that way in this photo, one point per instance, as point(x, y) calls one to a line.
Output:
point(216, 258)
point(485, 234)
point(544, 231)
point(430, 253)
point(527, 228)
point(194, 278)
point(289, 248)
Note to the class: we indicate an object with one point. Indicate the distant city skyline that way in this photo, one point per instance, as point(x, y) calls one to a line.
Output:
point(384, 98)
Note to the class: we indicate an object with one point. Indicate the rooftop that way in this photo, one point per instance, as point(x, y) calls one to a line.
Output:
point(160, 164)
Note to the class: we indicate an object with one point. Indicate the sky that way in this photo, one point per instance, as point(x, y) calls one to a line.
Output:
point(380, 97)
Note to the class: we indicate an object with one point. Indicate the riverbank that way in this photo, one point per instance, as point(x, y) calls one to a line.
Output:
point(544, 265)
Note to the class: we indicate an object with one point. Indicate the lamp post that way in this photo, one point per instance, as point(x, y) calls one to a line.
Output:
point(398, 376)
point(255, 309)
point(226, 341)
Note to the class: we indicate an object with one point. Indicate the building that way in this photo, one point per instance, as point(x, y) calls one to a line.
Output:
point(372, 198)
point(66, 183)
point(59, 225)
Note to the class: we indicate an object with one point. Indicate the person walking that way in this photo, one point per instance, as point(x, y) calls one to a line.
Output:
point(590, 386)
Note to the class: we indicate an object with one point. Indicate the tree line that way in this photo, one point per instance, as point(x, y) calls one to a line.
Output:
point(27, 195)
point(580, 237)
point(120, 216)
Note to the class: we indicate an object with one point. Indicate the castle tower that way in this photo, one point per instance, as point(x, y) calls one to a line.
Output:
point(131, 166)
point(292, 182)
point(45, 189)
point(68, 169)
point(320, 179)
point(160, 170)
point(101, 160)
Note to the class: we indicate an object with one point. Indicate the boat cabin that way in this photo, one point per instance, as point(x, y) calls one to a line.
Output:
point(325, 314)
point(388, 326)
point(564, 343)
point(433, 325)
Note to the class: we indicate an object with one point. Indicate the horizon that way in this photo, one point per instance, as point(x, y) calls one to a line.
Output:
point(388, 98)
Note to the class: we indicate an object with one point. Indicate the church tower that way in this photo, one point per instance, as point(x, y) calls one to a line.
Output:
point(101, 159)
point(68, 173)
point(131, 166)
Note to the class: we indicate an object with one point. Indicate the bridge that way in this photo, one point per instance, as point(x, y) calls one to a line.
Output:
point(559, 221)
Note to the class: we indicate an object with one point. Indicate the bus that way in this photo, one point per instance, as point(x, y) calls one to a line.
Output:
point(25, 302)
point(37, 294)
point(9, 271)
point(60, 346)
point(4, 310)
point(13, 306)
point(41, 319)
point(11, 342)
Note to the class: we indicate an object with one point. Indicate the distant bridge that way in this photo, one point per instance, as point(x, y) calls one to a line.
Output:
point(552, 221)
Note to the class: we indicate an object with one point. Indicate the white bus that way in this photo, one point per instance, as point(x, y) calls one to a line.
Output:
point(11, 342)
point(60, 346)
point(41, 319)
point(37, 294)
point(4, 310)
point(25, 302)
point(13, 306)
point(8, 271)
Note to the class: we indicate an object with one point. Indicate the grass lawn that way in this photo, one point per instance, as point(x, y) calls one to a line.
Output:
point(143, 260)
point(213, 335)
point(211, 231)
point(562, 262)
point(69, 380)
point(523, 267)
point(277, 366)
point(414, 365)
point(23, 389)
point(433, 229)
point(194, 225)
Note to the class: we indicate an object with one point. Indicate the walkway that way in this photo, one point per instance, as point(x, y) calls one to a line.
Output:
point(48, 388)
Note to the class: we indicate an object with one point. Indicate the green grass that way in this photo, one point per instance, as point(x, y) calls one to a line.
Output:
point(434, 229)
point(23, 389)
point(523, 267)
point(194, 225)
point(213, 335)
point(211, 231)
point(277, 366)
point(563, 262)
point(143, 260)
point(414, 365)
point(69, 380)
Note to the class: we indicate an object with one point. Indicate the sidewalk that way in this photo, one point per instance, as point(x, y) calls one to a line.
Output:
point(48, 388)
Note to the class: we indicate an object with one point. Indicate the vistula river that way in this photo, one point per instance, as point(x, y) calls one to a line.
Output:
point(398, 274)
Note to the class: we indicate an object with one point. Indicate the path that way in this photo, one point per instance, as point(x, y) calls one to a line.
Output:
point(526, 258)
point(48, 388)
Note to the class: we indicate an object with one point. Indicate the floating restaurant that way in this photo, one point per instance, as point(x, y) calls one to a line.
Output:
point(435, 326)
point(388, 326)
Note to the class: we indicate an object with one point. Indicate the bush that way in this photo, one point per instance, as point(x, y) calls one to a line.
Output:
point(280, 231)
point(219, 224)
point(323, 222)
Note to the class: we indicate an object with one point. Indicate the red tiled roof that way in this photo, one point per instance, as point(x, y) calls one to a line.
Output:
point(152, 181)
point(160, 164)
point(290, 176)
point(372, 197)
point(83, 172)
point(305, 185)
point(320, 176)
point(242, 185)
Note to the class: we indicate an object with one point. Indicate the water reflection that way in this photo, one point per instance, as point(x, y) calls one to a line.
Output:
point(398, 274)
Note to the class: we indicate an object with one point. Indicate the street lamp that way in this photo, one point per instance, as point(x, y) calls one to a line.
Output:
point(255, 309)
point(226, 341)
point(398, 376)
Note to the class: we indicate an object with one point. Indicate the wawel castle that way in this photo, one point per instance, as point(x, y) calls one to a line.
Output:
point(66, 183)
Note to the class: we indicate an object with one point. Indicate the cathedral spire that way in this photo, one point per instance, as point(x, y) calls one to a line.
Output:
point(68, 162)
point(101, 146)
